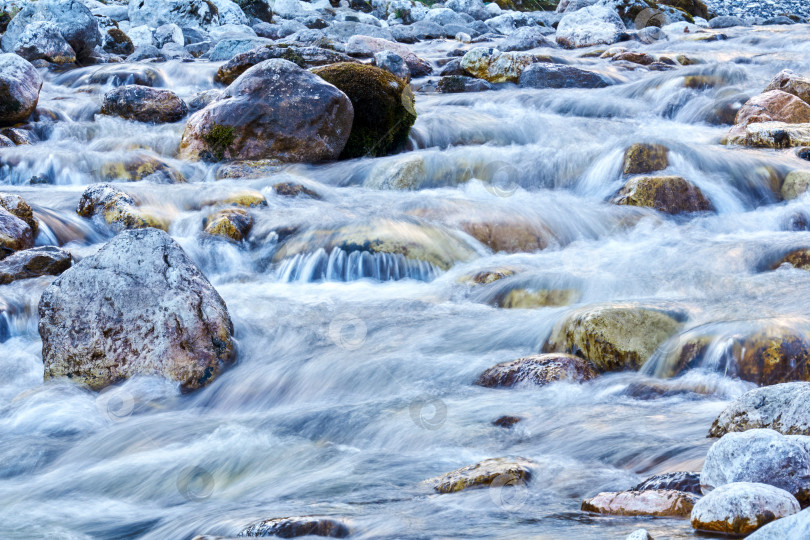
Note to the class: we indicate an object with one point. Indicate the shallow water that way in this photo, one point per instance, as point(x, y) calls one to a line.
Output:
point(354, 379)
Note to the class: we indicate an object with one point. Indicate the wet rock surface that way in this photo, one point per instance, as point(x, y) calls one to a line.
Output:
point(538, 369)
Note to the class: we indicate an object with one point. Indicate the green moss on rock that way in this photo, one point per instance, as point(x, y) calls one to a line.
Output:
point(383, 108)
point(219, 138)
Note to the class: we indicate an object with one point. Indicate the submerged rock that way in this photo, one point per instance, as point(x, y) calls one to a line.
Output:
point(495, 66)
point(528, 299)
point(761, 456)
point(139, 306)
point(668, 194)
point(641, 503)
point(545, 75)
point(144, 104)
point(782, 407)
point(688, 482)
point(383, 108)
point(141, 166)
point(494, 471)
point(232, 223)
point(412, 240)
point(740, 508)
point(795, 184)
point(111, 206)
point(293, 527)
point(274, 110)
point(35, 262)
point(539, 369)
point(645, 158)
point(291, 189)
point(640, 534)
point(798, 258)
point(455, 84)
point(612, 337)
point(121, 74)
point(594, 25)
point(20, 84)
point(765, 354)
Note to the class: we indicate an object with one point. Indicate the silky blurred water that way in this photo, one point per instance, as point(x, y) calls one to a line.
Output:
point(355, 371)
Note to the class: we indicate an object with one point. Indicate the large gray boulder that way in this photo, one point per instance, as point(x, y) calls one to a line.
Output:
point(762, 456)
point(200, 14)
point(594, 25)
point(274, 110)
point(782, 407)
point(75, 22)
point(42, 40)
point(20, 84)
point(139, 306)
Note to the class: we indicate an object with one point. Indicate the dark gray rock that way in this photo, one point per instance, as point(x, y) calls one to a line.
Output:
point(544, 75)
point(144, 104)
point(35, 262)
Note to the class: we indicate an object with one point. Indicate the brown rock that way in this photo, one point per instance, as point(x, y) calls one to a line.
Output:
point(495, 471)
point(789, 82)
point(291, 189)
point(799, 258)
point(539, 369)
point(773, 106)
point(668, 194)
point(144, 104)
point(634, 57)
point(653, 502)
point(645, 158)
point(232, 223)
point(274, 110)
point(293, 527)
point(526, 299)
point(15, 234)
point(17, 206)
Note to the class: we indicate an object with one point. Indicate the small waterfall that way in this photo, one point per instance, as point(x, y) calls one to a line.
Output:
point(340, 265)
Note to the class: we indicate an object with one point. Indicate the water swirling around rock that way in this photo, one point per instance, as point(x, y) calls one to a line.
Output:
point(359, 333)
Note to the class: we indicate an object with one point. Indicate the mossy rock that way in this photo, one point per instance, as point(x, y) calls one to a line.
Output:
point(766, 354)
point(799, 258)
point(232, 223)
point(526, 299)
point(17, 206)
point(645, 158)
point(668, 194)
point(141, 167)
point(383, 108)
point(696, 8)
point(613, 337)
point(246, 198)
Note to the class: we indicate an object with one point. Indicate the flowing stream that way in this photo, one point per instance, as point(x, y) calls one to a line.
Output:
point(355, 374)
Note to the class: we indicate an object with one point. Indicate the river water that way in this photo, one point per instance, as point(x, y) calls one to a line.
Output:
point(354, 379)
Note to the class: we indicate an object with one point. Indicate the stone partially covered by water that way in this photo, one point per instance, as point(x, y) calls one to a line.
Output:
point(293, 527)
point(539, 369)
point(137, 307)
point(663, 503)
point(495, 472)
point(740, 508)
point(35, 262)
point(668, 194)
point(688, 482)
point(782, 407)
